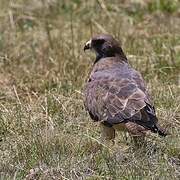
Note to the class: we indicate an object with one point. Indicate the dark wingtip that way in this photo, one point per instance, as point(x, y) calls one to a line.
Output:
point(162, 131)
point(164, 134)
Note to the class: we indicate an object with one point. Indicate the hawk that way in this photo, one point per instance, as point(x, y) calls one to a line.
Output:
point(115, 93)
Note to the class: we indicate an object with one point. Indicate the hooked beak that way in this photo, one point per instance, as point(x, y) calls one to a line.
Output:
point(87, 45)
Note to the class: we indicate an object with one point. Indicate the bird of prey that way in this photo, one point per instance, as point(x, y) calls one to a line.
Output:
point(115, 93)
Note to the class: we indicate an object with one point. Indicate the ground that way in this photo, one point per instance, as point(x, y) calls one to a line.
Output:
point(45, 132)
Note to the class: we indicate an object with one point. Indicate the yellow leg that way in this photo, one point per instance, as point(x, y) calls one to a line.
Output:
point(108, 133)
point(107, 136)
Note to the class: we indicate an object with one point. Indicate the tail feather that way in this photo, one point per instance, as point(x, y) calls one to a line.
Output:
point(161, 131)
point(155, 127)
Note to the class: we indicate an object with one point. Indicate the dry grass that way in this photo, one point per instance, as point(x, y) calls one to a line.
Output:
point(45, 132)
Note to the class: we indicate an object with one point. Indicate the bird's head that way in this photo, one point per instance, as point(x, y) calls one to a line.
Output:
point(104, 46)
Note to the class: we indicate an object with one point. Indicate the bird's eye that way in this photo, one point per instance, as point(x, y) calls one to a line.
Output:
point(98, 41)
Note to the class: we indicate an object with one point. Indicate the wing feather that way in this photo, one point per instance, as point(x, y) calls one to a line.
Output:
point(115, 97)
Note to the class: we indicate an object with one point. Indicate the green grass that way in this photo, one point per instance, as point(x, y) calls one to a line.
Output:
point(45, 132)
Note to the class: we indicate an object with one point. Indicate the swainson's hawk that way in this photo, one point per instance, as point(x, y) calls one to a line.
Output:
point(115, 94)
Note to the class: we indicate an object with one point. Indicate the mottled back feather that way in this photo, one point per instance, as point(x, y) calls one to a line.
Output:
point(115, 92)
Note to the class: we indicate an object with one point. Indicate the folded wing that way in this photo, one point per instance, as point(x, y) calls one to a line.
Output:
point(115, 99)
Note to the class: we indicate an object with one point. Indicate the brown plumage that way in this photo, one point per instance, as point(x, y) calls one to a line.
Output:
point(115, 93)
